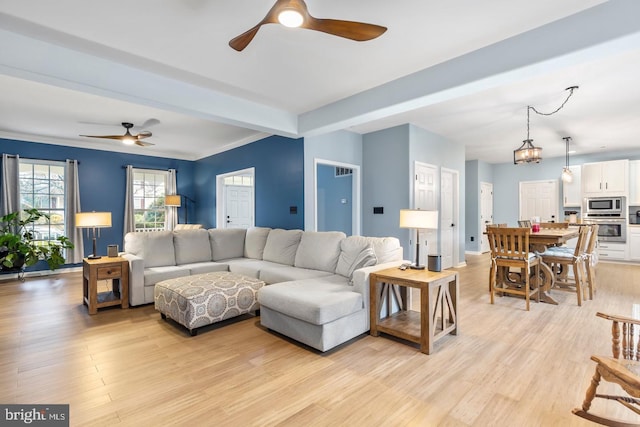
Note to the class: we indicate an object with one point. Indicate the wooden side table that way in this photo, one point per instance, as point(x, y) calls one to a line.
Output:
point(115, 268)
point(438, 315)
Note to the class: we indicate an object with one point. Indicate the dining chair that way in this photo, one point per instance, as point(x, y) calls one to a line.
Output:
point(561, 259)
point(591, 259)
point(554, 225)
point(622, 369)
point(510, 249)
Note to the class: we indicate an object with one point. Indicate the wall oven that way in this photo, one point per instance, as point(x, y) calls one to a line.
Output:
point(610, 229)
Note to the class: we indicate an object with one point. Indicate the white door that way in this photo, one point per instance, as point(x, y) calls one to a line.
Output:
point(425, 197)
point(449, 217)
point(539, 198)
point(239, 203)
point(486, 213)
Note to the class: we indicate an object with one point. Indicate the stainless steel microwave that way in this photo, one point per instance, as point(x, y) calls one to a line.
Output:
point(605, 206)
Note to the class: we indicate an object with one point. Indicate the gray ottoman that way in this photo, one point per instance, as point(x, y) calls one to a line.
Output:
point(203, 299)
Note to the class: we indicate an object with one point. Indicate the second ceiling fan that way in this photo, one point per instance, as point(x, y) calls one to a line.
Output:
point(294, 13)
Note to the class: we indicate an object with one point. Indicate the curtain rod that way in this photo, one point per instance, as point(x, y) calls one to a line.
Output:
point(35, 158)
point(147, 169)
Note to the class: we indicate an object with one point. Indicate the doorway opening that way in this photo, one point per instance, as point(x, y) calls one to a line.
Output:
point(337, 197)
point(235, 193)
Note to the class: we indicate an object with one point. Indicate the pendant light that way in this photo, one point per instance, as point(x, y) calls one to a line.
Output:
point(567, 175)
point(527, 152)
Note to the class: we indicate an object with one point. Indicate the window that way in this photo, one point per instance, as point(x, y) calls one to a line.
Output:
point(242, 180)
point(42, 188)
point(148, 199)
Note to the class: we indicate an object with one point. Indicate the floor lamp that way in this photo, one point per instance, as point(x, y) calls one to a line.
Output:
point(175, 200)
point(95, 220)
point(418, 219)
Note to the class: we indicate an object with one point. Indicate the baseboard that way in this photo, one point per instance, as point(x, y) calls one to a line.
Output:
point(472, 253)
point(41, 273)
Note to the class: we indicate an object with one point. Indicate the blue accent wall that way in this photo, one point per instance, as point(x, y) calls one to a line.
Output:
point(279, 181)
point(102, 179)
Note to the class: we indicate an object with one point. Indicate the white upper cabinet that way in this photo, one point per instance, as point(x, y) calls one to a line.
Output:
point(571, 191)
point(605, 178)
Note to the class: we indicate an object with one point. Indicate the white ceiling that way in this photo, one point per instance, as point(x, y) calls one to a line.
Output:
point(464, 69)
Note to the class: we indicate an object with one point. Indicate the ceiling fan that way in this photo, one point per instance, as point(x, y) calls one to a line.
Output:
point(128, 138)
point(294, 13)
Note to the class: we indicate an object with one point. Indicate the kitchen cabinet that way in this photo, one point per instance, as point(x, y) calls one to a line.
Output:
point(611, 251)
point(634, 183)
point(605, 178)
point(634, 242)
point(572, 191)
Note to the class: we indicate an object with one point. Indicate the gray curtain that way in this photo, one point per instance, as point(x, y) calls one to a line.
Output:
point(10, 198)
point(129, 218)
point(171, 217)
point(72, 206)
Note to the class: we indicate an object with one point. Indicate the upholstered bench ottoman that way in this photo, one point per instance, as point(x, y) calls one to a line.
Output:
point(203, 299)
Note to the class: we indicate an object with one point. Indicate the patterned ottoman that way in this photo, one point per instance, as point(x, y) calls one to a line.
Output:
point(203, 299)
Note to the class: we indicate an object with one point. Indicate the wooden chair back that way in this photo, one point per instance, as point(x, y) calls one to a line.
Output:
point(624, 336)
point(509, 242)
point(554, 225)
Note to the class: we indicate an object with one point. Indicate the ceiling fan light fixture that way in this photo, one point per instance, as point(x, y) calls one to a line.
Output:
point(290, 18)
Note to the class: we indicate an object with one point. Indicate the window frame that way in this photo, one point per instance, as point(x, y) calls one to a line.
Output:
point(150, 196)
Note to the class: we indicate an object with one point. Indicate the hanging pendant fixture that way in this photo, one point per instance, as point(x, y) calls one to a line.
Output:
point(527, 152)
point(567, 175)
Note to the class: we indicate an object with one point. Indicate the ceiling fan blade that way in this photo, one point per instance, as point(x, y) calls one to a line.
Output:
point(358, 31)
point(148, 123)
point(143, 143)
point(118, 137)
point(143, 134)
point(240, 42)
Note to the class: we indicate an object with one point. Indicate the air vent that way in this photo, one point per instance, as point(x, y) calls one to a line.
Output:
point(343, 171)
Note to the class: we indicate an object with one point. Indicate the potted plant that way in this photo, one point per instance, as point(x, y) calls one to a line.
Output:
point(19, 248)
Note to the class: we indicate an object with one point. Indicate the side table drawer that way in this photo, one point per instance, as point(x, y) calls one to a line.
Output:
point(109, 272)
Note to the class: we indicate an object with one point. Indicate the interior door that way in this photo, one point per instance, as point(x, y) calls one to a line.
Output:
point(448, 217)
point(426, 197)
point(239, 203)
point(486, 213)
point(539, 198)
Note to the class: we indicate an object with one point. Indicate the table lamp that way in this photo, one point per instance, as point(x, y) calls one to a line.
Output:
point(95, 220)
point(419, 220)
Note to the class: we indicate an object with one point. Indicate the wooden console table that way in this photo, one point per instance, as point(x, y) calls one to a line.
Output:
point(438, 315)
point(114, 268)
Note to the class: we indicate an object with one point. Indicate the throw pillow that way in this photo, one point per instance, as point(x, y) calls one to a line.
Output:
point(366, 258)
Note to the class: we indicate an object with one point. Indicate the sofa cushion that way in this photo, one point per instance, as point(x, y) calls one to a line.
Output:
point(281, 246)
point(191, 246)
point(227, 243)
point(154, 275)
point(254, 242)
point(319, 250)
point(156, 248)
point(387, 249)
point(355, 252)
point(316, 301)
point(284, 273)
point(247, 266)
point(206, 267)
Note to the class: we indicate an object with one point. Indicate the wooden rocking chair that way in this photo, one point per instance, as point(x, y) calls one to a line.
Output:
point(623, 371)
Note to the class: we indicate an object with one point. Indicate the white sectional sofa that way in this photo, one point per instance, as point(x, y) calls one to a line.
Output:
point(318, 282)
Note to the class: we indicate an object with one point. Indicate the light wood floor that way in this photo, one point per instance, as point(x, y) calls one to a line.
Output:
point(507, 367)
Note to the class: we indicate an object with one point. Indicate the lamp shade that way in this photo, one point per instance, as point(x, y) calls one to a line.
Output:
point(172, 200)
point(416, 218)
point(93, 219)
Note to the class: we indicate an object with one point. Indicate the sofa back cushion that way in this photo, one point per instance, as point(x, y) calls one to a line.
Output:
point(255, 241)
point(281, 246)
point(191, 246)
point(387, 249)
point(319, 250)
point(355, 252)
point(227, 243)
point(154, 247)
